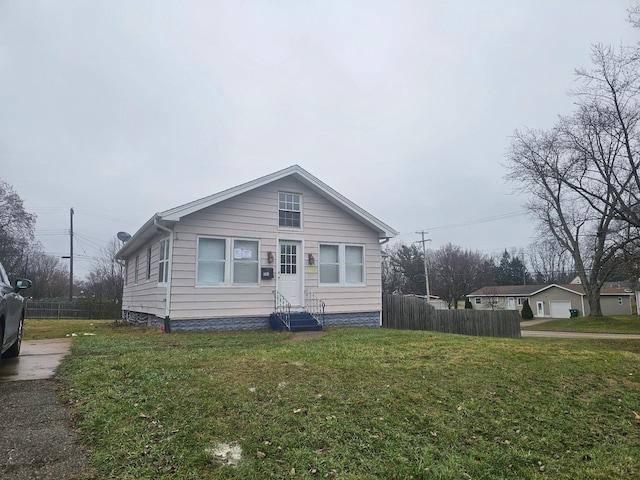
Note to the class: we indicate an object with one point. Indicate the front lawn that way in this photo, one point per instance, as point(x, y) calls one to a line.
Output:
point(614, 324)
point(354, 404)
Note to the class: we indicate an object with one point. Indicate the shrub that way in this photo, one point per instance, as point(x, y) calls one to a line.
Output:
point(467, 303)
point(527, 313)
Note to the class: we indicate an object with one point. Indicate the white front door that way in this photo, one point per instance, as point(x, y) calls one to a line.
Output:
point(511, 303)
point(540, 306)
point(289, 277)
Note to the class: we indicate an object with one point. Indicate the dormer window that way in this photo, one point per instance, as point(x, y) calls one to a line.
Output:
point(289, 210)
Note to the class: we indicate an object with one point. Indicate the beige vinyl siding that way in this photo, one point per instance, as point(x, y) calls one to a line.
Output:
point(146, 296)
point(254, 215)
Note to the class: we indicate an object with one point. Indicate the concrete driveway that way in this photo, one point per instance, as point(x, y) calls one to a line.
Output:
point(37, 441)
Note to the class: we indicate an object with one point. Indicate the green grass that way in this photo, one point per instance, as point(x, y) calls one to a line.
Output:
point(613, 324)
point(355, 404)
point(42, 329)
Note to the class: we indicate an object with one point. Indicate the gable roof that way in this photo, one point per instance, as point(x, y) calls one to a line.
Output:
point(173, 215)
point(530, 290)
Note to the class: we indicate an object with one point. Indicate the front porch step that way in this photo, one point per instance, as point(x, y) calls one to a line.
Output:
point(300, 322)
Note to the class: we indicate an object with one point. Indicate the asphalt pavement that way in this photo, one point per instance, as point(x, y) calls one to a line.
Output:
point(554, 334)
point(37, 441)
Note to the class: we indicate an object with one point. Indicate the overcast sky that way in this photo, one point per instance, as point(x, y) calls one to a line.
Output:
point(121, 109)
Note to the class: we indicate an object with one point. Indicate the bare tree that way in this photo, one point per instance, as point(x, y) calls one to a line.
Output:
point(49, 275)
point(550, 263)
point(604, 133)
point(543, 163)
point(16, 229)
point(106, 278)
point(457, 272)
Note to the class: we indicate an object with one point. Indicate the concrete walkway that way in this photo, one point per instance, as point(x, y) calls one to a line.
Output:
point(37, 441)
point(39, 359)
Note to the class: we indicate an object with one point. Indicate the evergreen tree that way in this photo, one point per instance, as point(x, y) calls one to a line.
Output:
point(527, 313)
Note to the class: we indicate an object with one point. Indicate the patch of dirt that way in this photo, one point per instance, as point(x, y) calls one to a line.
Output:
point(298, 336)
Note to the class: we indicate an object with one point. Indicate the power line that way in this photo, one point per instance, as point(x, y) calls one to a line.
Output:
point(494, 218)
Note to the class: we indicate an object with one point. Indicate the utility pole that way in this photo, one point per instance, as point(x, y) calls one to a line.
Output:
point(426, 269)
point(71, 255)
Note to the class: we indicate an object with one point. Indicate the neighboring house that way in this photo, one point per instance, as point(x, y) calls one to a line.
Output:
point(285, 241)
point(554, 301)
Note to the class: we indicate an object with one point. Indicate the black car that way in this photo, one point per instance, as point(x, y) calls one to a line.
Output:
point(12, 307)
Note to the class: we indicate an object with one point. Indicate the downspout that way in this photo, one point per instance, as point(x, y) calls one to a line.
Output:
point(384, 241)
point(584, 314)
point(167, 301)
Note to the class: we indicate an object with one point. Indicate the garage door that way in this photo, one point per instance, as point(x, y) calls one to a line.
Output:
point(559, 308)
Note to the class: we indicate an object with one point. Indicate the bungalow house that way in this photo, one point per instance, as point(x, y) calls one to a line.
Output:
point(554, 301)
point(282, 245)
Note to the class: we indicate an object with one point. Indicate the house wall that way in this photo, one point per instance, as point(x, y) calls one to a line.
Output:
point(145, 296)
point(611, 305)
point(254, 215)
point(556, 294)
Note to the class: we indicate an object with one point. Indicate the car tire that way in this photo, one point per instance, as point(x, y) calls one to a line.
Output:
point(14, 350)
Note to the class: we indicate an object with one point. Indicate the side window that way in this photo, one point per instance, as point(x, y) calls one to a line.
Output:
point(163, 262)
point(148, 263)
point(135, 271)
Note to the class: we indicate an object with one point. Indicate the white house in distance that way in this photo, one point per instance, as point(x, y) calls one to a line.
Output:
point(256, 253)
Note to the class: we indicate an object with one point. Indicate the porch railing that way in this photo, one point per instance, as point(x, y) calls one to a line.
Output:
point(314, 306)
point(282, 309)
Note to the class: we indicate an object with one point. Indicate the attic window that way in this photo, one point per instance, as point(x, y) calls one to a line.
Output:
point(289, 210)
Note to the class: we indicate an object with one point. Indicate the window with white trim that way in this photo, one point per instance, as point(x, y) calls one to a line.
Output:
point(245, 261)
point(478, 300)
point(341, 264)
point(521, 301)
point(135, 271)
point(227, 261)
point(289, 210)
point(163, 261)
point(210, 269)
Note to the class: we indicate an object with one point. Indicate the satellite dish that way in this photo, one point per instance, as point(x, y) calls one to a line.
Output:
point(123, 237)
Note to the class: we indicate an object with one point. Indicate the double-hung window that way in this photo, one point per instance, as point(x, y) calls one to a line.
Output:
point(341, 264)
point(163, 262)
point(289, 210)
point(227, 261)
point(245, 261)
point(211, 268)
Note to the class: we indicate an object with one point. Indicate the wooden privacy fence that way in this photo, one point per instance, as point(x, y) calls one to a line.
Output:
point(37, 309)
point(411, 313)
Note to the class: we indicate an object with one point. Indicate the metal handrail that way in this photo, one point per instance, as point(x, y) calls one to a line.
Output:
point(282, 309)
point(314, 306)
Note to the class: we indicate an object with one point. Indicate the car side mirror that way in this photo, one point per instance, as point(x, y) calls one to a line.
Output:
point(21, 284)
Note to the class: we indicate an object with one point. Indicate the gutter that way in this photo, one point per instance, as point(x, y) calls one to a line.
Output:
point(167, 300)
